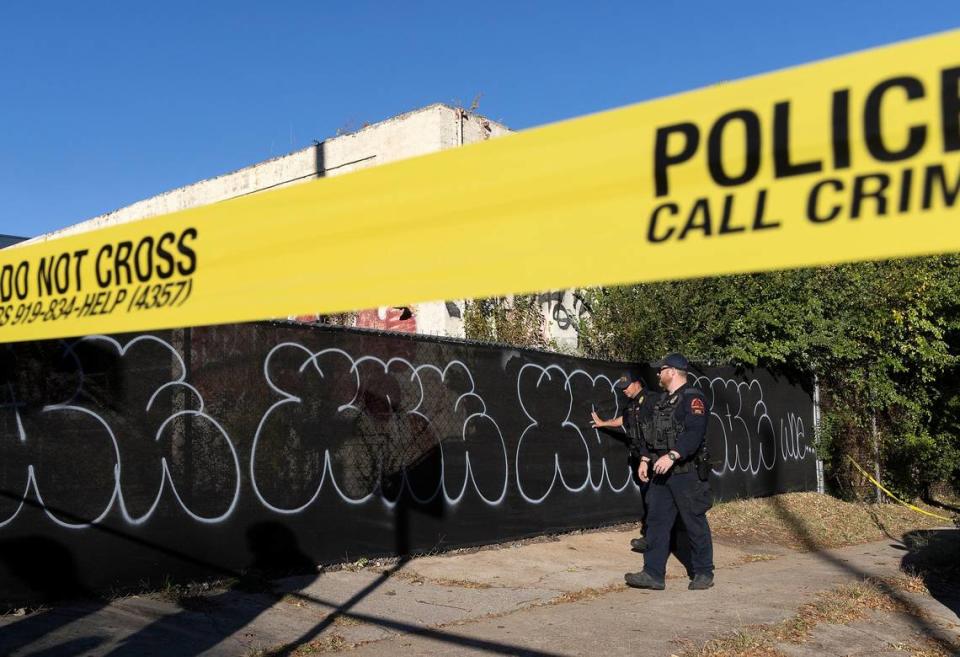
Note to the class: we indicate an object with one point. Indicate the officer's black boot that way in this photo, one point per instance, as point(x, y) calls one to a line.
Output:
point(701, 582)
point(638, 544)
point(643, 580)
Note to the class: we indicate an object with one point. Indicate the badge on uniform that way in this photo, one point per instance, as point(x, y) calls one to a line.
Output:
point(697, 407)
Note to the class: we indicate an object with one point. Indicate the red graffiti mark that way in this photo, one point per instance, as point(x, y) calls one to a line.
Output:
point(388, 319)
point(401, 320)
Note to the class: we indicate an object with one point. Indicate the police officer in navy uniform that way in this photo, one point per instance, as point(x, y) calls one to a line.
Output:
point(673, 459)
point(635, 417)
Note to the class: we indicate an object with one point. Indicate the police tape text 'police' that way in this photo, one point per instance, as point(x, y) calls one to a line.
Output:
point(677, 144)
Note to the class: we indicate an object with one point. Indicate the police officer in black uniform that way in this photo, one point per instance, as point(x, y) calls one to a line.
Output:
point(635, 417)
point(673, 459)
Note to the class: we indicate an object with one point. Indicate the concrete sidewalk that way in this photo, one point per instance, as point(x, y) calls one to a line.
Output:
point(558, 597)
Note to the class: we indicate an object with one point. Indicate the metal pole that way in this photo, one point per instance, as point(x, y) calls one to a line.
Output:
point(876, 452)
point(816, 432)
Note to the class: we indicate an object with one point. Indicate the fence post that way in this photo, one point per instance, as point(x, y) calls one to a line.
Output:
point(816, 432)
point(876, 452)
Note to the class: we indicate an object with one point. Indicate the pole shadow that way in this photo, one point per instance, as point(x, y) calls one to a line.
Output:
point(275, 553)
point(915, 615)
point(410, 456)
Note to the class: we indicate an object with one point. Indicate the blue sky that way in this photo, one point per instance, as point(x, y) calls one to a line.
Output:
point(105, 103)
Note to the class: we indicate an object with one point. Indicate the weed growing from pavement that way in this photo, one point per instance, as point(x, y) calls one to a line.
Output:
point(327, 643)
point(753, 558)
point(414, 578)
point(581, 595)
point(191, 596)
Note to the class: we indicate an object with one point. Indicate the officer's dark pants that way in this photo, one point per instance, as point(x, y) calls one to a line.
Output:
point(644, 486)
point(678, 493)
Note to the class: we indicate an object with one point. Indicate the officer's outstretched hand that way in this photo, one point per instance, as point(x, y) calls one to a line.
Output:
point(643, 471)
point(596, 421)
point(663, 465)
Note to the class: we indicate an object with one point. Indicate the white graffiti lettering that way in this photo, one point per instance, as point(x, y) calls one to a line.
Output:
point(76, 407)
point(371, 398)
point(738, 413)
point(558, 435)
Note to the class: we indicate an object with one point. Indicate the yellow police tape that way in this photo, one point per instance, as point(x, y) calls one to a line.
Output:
point(894, 497)
point(853, 158)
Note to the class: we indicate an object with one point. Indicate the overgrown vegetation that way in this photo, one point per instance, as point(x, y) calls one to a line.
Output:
point(808, 521)
point(513, 320)
point(882, 339)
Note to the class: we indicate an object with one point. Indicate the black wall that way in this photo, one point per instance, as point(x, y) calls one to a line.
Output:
point(129, 458)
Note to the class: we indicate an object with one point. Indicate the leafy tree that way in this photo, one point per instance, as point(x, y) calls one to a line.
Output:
point(882, 338)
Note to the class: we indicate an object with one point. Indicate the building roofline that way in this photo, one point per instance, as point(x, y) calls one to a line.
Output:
point(316, 144)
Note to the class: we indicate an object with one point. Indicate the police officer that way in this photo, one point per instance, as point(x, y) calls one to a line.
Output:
point(635, 417)
point(673, 449)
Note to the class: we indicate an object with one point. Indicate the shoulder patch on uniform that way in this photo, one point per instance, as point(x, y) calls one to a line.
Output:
point(697, 406)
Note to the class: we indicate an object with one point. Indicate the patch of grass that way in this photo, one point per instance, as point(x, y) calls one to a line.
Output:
point(191, 596)
point(909, 583)
point(345, 621)
point(358, 565)
point(578, 596)
point(811, 521)
point(754, 558)
point(294, 601)
point(461, 583)
point(563, 598)
point(327, 643)
point(839, 606)
point(944, 497)
point(416, 578)
point(330, 643)
point(931, 648)
point(750, 641)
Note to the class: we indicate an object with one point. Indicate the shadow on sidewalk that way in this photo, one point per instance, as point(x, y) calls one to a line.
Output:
point(915, 615)
point(276, 553)
point(48, 566)
point(48, 569)
point(934, 555)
